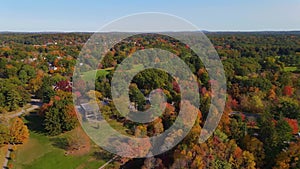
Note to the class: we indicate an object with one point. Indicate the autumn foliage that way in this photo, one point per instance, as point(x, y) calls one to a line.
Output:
point(288, 91)
point(293, 124)
point(19, 132)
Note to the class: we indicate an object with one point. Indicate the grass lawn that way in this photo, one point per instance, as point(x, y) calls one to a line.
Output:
point(290, 69)
point(41, 152)
point(103, 137)
point(90, 75)
point(138, 67)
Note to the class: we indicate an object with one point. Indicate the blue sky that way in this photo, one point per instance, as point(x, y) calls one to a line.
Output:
point(90, 15)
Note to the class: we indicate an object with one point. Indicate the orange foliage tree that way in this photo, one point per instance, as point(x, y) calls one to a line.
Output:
point(18, 131)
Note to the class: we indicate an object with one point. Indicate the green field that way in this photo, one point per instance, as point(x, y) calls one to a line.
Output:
point(42, 152)
point(94, 74)
point(90, 75)
point(290, 69)
point(39, 153)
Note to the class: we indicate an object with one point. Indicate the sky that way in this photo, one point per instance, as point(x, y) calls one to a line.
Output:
point(90, 15)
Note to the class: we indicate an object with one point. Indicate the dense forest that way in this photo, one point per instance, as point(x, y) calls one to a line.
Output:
point(259, 126)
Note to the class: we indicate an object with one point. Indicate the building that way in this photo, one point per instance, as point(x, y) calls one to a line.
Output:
point(91, 112)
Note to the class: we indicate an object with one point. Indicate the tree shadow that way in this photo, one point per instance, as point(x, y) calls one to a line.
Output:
point(35, 123)
point(60, 142)
point(102, 155)
point(134, 163)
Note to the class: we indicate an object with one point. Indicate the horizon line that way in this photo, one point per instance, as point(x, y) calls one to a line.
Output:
point(209, 31)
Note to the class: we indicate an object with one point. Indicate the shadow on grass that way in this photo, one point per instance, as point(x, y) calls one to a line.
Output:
point(35, 124)
point(103, 155)
point(60, 142)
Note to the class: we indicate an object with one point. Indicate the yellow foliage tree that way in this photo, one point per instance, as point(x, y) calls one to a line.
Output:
point(18, 131)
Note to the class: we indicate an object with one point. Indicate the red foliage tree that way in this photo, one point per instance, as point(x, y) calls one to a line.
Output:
point(293, 124)
point(79, 85)
point(176, 87)
point(243, 117)
point(64, 85)
point(287, 91)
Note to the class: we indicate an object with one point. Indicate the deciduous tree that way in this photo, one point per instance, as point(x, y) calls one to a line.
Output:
point(18, 131)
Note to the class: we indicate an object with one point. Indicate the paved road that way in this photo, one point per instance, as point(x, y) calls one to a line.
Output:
point(34, 104)
point(7, 157)
point(111, 160)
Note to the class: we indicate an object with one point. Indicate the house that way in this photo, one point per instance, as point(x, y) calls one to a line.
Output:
point(91, 112)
